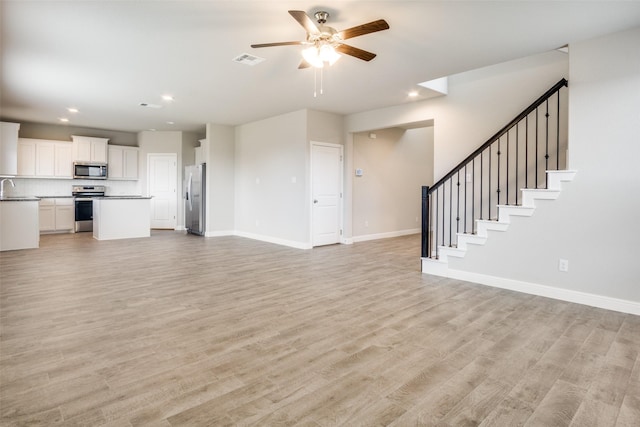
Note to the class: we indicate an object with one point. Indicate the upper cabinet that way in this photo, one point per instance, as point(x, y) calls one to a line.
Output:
point(44, 158)
point(9, 148)
point(89, 149)
point(123, 162)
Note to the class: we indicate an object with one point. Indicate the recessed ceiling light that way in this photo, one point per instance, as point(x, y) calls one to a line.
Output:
point(72, 110)
point(152, 130)
point(170, 123)
point(413, 93)
point(167, 98)
point(63, 119)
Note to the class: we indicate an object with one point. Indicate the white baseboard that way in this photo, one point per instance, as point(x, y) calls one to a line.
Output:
point(277, 241)
point(593, 300)
point(220, 233)
point(377, 236)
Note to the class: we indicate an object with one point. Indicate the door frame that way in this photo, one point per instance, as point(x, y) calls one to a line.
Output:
point(341, 239)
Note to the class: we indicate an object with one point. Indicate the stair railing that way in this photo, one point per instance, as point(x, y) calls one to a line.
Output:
point(516, 157)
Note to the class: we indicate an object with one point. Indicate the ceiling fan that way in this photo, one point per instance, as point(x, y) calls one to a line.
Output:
point(324, 43)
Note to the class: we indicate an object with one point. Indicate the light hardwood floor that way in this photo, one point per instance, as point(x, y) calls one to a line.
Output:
point(178, 330)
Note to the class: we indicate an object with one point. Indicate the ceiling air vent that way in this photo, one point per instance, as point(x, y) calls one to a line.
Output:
point(149, 105)
point(247, 59)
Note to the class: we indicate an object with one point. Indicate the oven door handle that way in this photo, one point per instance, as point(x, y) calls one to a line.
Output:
point(83, 199)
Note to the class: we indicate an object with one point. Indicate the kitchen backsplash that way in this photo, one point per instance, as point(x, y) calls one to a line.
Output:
point(62, 187)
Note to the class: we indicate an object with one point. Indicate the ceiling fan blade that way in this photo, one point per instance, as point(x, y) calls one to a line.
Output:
point(304, 20)
point(303, 64)
point(277, 44)
point(354, 51)
point(363, 29)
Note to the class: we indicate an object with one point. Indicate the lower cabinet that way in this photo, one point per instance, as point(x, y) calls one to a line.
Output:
point(57, 214)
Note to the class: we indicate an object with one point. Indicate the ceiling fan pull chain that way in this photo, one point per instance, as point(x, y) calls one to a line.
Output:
point(315, 84)
point(321, 80)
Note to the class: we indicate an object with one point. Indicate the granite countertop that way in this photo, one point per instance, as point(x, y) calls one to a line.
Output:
point(123, 197)
point(20, 199)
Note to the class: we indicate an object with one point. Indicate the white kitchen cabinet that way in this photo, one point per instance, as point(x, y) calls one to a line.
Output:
point(89, 149)
point(65, 214)
point(9, 148)
point(63, 160)
point(123, 162)
point(19, 224)
point(26, 157)
point(44, 158)
point(47, 210)
point(57, 214)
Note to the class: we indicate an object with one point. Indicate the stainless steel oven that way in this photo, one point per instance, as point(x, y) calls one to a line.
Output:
point(83, 200)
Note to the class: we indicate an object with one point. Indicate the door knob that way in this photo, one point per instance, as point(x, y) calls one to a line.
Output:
point(315, 200)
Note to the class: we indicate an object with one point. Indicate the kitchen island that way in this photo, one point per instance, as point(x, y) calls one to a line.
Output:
point(19, 223)
point(121, 217)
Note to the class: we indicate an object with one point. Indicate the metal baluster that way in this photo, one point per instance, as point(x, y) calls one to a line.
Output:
point(465, 198)
point(546, 154)
point(517, 160)
point(458, 210)
point(558, 132)
point(498, 159)
point(436, 221)
point(537, 125)
point(473, 196)
point(425, 223)
point(526, 152)
point(489, 218)
point(444, 194)
point(481, 184)
point(450, 210)
point(508, 167)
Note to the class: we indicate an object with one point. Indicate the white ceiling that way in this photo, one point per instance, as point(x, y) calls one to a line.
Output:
point(106, 57)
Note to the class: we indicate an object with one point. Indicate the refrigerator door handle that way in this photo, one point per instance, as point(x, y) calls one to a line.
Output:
point(189, 191)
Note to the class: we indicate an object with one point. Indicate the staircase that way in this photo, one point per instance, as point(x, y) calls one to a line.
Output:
point(521, 163)
point(439, 266)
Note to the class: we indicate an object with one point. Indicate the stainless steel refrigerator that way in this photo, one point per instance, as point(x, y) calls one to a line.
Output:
point(194, 199)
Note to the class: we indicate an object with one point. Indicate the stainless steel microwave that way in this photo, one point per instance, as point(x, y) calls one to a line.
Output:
point(89, 170)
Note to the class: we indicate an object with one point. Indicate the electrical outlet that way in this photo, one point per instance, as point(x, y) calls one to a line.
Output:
point(563, 265)
point(366, 223)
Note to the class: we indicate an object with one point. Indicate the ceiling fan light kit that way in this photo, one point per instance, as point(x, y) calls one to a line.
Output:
point(324, 45)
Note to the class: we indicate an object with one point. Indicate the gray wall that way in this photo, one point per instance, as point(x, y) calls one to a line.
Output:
point(64, 132)
point(396, 164)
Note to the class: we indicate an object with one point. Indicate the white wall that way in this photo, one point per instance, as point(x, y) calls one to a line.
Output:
point(268, 153)
point(594, 224)
point(272, 171)
point(220, 159)
point(479, 103)
point(386, 198)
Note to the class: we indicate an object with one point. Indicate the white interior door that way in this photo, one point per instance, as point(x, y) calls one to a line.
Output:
point(326, 192)
point(162, 174)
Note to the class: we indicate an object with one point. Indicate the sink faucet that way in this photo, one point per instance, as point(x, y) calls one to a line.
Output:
point(2, 186)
